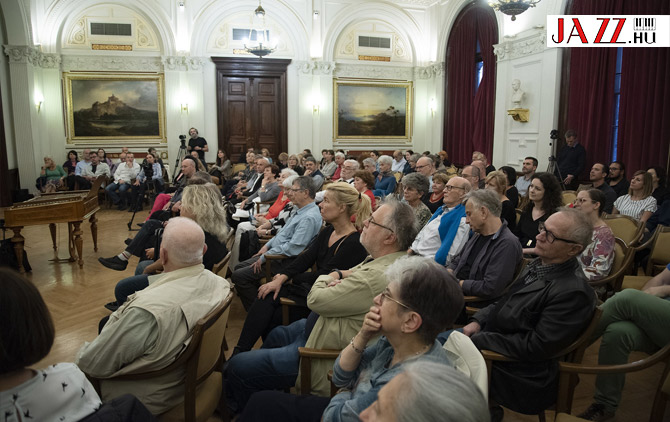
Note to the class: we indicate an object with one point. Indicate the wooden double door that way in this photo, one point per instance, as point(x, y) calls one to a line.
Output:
point(251, 105)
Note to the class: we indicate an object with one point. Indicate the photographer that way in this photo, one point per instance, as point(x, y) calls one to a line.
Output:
point(150, 173)
point(196, 143)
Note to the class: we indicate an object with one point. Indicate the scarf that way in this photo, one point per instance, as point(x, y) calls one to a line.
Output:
point(447, 230)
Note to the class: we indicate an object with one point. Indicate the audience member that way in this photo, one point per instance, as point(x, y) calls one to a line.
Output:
point(408, 153)
point(478, 156)
point(597, 177)
point(92, 171)
point(201, 166)
point(496, 181)
point(154, 177)
point(511, 192)
point(222, 168)
point(282, 161)
point(632, 320)
point(546, 309)
point(52, 176)
point(428, 392)
point(165, 204)
point(435, 200)
point(449, 222)
point(149, 331)
point(336, 246)
point(571, 161)
point(426, 166)
point(472, 175)
point(639, 202)
point(386, 182)
point(374, 154)
point(338, 303)
point(290, 241)
point(71, 163)
point(545, 198)
point(399, 162)
point(123, 178)
point(312, 171)
point(414, 187)
point(528, 169)
point(198, 144)
point(370, 165)
point(339, 161)
point(364, 182)
point(481, 165)
point(597, 258)
point(444, 158)
point(661, 216)
point(268, 190)
point(27, 333)
point(348, 168)
point(253, 184)
point(418, 302)
point(617, 178)
point(85, 160)
point(411, 164)
point(658, 179)
point(294, 164)
point(102, 157)
point(266, 153)
point(328, 165)
point(488, 261)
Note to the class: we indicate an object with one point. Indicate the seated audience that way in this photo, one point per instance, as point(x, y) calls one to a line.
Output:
point(149, 331)
point(364, 182)
point(369, 164)
point(545, 198)
point(435, 199)
point(282, 160)
point(166, 203)
point(200, 165)
point(150, 174)
point(266, 153)
point(661, 216)
point(290, 241)
point(268, 190)
point(496, 181)
point(511, 192)
point(547, 308)
point(71, 163)
point(414, 187)
point(102, 157)
point(639, 202)
point(374, 155)
point(488, 168)
point(597, 177)
point(312, 170)
point(420, 300)
point(27, 333)
point(328, 164)
point(481, 166)
point(252, 184)
point(338, 304)
point(336, 246)
point(85, 160)
point(528, 169)
point(124, 176)
point(52, 176)
point(202, 204)
point(339, 160)
point(449, 222)
point(426, 166)
point(658, 178)
point(411, 163)
point(428, 392)
point(472, 174)
point(488, 261)
point(408, 153)
point(294, 164)
point(597, 258)
point(222, 168)
point(92, 171)
point(444, 159)
point(399, 162)
point(632, 320)
point(617, 178)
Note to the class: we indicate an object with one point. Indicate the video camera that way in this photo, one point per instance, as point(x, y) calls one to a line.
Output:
point(182, 139)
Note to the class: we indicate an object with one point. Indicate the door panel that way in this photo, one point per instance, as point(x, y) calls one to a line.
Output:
point(237, 116)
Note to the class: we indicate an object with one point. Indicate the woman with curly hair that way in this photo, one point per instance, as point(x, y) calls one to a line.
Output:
point(545, 197)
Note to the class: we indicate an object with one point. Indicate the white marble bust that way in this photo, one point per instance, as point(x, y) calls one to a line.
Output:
point(517, 94)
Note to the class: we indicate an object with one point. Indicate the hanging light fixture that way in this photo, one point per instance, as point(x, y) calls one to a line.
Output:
point(262, 46)
point(512, 7)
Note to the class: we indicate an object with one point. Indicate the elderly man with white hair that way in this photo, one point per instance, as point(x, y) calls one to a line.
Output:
point(349, 167)
point(339, 160)
point(398, 161)
point(149, 330)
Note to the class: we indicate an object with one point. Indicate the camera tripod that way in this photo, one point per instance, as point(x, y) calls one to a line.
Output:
point(181, 153)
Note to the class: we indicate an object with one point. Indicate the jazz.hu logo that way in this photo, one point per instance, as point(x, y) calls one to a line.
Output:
point(608, 31)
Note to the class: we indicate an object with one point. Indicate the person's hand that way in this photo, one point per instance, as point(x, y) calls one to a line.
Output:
point(262, 251)
point(272, 287)
point(372, 324)
point(568, 179)
point(659, 291)
point(121, 181)
point(261, 231)
point(334, 283)
point(257, 266)
point(243, 203)
point(261, 220)
point(307, 173)
point(150, 252)
point(137, 182)
point(472, 328)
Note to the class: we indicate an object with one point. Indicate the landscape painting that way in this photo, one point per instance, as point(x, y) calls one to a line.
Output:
point(114, 107)
point(372, 109)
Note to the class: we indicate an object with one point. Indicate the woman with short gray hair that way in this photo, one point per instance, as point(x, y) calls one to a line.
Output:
point(414, 187)
point(386, 181)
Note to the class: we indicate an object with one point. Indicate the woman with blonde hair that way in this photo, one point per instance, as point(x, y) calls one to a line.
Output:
point(336, 247)
point(294, 164)
point(497, 182)
point(639, 202)
point(51, 176)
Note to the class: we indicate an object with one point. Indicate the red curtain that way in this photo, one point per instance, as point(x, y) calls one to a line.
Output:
point(469, 118)
point(644, 123)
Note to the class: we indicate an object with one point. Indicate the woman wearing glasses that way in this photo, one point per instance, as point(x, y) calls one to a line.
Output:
point(597, 258)
point(544, 193)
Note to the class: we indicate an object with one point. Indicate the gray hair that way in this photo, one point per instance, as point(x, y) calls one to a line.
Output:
point(289, 172)
point(339, 155)
point(402, 221)
point(416, 181)
point(370, 161)
point(353, 163)
point(306, 183)
point(485, 198)
point(582, 229)
point(184, 240)
point(385, 159)
point(288, 182)
point(415, 157)
point(437, 392)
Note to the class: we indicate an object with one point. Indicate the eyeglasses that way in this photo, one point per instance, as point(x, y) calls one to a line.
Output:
point(371, 220)
point(386, 294)
point(295, 190)
point(420, 167)
point(552, 237)
point(448, 188)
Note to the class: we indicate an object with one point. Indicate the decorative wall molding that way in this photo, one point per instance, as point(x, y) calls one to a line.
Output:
point(516, 48)
point(315, 68)
point(26, 54)
point(374, 71)
point(183, 63)
point(111, 63)
point(435, 70)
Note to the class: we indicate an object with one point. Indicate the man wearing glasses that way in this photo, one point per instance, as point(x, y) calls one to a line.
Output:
point(546, 308)
point(447, 231)
point(426, 166)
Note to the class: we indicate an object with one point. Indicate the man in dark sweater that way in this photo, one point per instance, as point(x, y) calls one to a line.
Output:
point(597, 177)
point(617, 178)
point(571, 160)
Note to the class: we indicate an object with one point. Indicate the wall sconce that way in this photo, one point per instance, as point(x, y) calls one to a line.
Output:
point(180, 3)
point(39, 99)
point(315, 15)
point(315, 109)
point(38, 105)
point(433, 106)
point(184, 108)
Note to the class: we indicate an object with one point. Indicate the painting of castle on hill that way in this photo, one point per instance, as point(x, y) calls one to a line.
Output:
point(114, 107)
point(368, 109)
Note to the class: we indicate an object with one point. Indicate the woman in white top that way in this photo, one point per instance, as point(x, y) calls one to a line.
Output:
point(328, 165)
point(638, 203)
point(58, 393)
point(597, 258)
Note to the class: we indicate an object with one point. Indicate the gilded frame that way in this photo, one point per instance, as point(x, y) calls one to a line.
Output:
point(375, 109)
point(91, 100)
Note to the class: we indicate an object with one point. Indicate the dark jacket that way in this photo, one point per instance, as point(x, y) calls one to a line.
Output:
point(571, 160)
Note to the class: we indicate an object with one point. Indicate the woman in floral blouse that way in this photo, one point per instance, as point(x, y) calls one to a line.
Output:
point(596, 260)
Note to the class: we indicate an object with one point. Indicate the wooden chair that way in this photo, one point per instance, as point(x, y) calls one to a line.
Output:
point(238, 168)
point(221, 267)
point(625, 228)
point(202, 359)
point(660, 251)
point(574, 353)
point(569, 197)
point(306, 356)
point(623, 260)
point(569, 370)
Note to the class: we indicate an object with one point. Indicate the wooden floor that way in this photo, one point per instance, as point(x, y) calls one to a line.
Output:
point(76, 297)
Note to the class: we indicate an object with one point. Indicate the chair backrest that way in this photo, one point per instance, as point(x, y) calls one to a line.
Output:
point(466, 358)
point(569, 197)
point(625, 228)
point(575, 351)
point(221, 267)
point(660, 250)
point(238, 168)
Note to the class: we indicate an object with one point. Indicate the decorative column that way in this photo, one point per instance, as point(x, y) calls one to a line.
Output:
point(313, 105)
point(428, 107)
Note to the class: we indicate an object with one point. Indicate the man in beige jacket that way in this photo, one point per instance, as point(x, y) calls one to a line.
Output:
point(151, 329)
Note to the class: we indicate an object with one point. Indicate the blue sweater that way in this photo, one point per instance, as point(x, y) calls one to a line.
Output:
point(384, 187)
